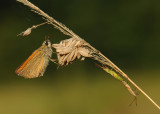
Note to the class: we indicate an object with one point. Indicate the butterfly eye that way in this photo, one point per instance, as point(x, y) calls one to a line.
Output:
point(46, 43)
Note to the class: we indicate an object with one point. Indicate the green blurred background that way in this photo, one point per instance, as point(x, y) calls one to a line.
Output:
point(127, 32)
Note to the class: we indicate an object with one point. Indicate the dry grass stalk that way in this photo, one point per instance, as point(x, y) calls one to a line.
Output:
point(95, 53)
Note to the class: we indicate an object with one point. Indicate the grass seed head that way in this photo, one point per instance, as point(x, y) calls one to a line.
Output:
point(71, 49)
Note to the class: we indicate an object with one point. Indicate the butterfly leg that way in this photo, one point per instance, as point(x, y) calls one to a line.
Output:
point(53, 60)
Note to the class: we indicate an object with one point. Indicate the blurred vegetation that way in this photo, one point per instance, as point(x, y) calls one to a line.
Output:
point(127, 32)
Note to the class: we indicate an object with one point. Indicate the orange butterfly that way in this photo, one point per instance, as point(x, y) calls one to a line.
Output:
point(36, 64)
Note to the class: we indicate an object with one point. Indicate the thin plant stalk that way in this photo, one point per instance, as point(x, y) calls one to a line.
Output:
point(116, 76)
point(28, 31)
point(68, 32)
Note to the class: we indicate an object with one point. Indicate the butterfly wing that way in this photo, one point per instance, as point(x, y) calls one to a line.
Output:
point(35, 65)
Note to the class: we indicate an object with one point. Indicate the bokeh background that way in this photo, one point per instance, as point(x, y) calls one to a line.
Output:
point(127, 32)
